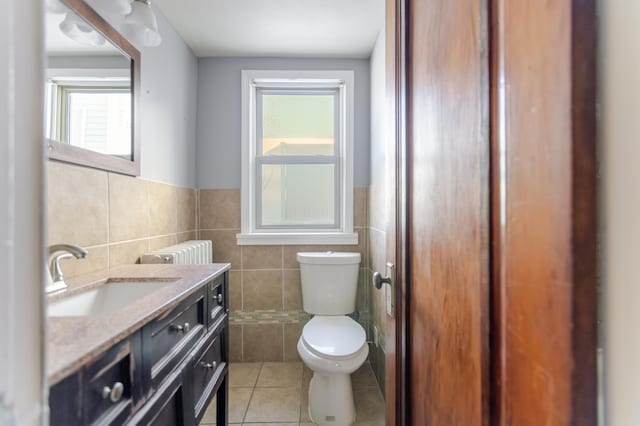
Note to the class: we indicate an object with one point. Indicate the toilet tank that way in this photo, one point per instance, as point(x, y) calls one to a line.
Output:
point(329, 282)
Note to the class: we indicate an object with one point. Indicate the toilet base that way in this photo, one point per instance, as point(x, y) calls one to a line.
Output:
point(331, 400)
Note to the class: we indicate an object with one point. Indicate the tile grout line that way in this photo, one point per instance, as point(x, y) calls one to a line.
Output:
point(282, 325)
point(197, 211)
point(282, 292)
point(253, 389)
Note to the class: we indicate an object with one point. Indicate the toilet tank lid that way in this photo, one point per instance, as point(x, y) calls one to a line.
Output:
point(328, 258)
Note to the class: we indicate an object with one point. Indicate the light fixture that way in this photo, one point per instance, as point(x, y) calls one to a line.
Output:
point(115, 7)
point(77, 29)
point(141, 24)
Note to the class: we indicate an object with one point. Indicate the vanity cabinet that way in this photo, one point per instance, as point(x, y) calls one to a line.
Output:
point(165, 373)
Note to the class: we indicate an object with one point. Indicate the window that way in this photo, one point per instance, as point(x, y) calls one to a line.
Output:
point(297, 157)
point(94, 115)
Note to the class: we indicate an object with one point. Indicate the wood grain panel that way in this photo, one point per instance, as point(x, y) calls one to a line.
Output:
point(544, 221)
point(448, 212)
point(394, 396)
point(396, 375)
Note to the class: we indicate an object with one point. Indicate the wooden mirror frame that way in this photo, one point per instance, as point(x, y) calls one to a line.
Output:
point(64, 152)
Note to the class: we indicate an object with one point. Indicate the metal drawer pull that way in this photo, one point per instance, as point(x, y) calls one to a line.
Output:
point(208, 365)
point(219, 298)
point(184, 328)
point(113, 393)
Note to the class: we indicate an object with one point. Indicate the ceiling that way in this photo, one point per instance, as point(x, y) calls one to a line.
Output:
point(277, 28)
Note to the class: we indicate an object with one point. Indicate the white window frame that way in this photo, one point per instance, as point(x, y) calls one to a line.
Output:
point(343, 82)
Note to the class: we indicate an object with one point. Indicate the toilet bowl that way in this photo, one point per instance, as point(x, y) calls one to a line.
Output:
point(332, 344)
point(333, 348)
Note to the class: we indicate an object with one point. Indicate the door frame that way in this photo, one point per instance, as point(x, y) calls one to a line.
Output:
point(396, 363)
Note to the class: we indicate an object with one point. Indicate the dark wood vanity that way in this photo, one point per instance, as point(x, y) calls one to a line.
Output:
point(164, 373)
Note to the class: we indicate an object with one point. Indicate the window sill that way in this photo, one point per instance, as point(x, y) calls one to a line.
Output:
point(265, 239)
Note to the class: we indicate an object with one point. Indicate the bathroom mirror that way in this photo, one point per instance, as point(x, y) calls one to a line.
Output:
point(92, 83)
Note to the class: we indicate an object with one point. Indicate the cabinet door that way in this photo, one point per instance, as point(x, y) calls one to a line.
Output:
point(166, 407)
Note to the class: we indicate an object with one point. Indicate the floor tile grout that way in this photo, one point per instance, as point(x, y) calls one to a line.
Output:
point(246, 410)
point(284, 377)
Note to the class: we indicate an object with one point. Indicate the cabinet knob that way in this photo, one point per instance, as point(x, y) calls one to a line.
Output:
point(184, 328)
point(219, 298)
point(114, 393)
point(209, 365)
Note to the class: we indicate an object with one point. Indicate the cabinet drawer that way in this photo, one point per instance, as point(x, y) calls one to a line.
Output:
point(208, 366)
point(165, 408)
point(107, 388)
point(217, 298)
point(168, 339)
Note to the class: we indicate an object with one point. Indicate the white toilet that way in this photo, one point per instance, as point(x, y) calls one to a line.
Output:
point(332, 344)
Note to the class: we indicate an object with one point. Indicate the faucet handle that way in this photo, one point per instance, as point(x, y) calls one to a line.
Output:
point(58, 252)
point(72, 249)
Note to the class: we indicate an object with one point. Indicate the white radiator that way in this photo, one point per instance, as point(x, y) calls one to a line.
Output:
point(187, 253)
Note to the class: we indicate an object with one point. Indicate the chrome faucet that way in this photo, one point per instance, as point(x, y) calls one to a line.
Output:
point(56, 254)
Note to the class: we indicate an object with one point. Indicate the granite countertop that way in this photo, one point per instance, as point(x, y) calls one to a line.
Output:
point(73, 342)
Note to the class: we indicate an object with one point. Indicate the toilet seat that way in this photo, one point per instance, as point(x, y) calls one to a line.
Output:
point(334, 337)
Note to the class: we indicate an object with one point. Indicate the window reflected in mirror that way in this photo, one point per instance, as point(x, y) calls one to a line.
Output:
point(88, 97)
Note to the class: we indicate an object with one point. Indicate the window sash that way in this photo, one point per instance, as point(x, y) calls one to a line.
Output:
point(260, 160)
point(58, 120)
point(337, 194)
point(337, 122)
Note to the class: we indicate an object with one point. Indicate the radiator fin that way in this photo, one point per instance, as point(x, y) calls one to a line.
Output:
point(194, 252)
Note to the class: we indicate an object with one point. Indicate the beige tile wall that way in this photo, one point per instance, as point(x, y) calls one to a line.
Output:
point(267, 278)
point(378, 209)
point(117, 218)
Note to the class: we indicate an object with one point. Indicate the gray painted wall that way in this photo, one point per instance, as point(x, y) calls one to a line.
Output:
point(21, 228)
point(169, 96)
point(378, 106)
point(168, 108)
point(218, 124)
point(619, 132)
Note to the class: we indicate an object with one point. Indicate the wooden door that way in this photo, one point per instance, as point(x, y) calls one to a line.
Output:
point(544, 212)
point(448, 206)
point(501, 227)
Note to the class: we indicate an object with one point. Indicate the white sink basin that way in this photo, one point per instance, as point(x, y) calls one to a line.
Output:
point(104, 299)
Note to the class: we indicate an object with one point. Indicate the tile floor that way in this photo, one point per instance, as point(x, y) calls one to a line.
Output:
point(275, 394)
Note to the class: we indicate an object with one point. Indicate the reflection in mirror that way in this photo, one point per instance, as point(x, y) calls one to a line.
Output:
point(88, 89)
point(91, 90)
